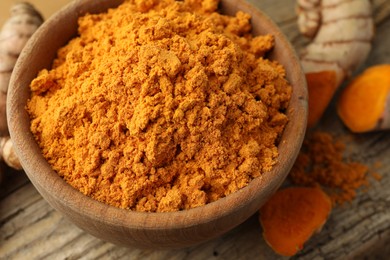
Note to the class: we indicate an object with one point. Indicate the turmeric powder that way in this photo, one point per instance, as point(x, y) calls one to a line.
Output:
point(161, 105)
point(291, 216)
point(321, 162)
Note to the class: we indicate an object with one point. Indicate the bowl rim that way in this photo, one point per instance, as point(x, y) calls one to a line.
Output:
point(48, 182)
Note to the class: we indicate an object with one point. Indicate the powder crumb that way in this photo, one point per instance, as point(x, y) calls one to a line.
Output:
point(161, 105)
point(321, 162)
point(377, 176)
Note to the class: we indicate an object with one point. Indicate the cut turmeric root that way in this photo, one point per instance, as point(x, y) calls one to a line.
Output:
point(321, 87)
point(292, 216)
point(364, 105)
point(341, 33)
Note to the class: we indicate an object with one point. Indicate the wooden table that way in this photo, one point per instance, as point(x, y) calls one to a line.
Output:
point(31, 229)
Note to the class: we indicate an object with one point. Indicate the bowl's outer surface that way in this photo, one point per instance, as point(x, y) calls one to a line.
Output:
point(147, 230)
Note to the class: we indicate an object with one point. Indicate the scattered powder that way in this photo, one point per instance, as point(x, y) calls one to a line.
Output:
point(321, 162)
point(161, 105)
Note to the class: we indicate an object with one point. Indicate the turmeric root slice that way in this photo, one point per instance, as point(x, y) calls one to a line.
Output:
point(292, 216)
point(341, 32)
point(321, 87)
point(365, 103)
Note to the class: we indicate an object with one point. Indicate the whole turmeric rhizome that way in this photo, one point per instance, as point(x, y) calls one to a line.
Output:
point(161, 106)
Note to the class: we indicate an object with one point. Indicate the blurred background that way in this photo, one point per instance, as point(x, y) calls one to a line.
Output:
point(47, 8)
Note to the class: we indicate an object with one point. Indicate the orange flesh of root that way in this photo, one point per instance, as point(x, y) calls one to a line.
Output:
point(363, 101)
point(291, 217)
point(321, 87)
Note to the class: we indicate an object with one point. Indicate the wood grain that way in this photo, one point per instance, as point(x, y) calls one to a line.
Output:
point(30, 227)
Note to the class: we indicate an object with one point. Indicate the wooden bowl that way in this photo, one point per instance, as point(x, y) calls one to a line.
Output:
point(140, 229)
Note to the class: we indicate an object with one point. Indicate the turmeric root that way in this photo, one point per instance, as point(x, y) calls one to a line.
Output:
point(341, 33)
point(3, 116)
point(23, 22)
point(291, 216)
point(7, 153)
point(364, 105)
point(16, 31)
point(320, 95)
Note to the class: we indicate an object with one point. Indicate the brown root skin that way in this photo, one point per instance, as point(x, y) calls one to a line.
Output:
point(309, 17)
point(16, 31)
point(7, 153)
point(341, 33)
point(364, 104)
point(3, 116)
point(321, 87)
point(291, 216)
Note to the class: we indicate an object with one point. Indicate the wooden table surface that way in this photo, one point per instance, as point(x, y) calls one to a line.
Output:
point(31, 229)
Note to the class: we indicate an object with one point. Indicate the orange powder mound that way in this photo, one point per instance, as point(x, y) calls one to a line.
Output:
point(321, 162)
point(161, 106)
